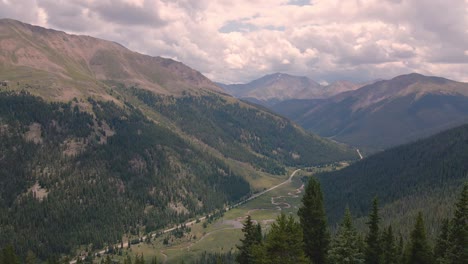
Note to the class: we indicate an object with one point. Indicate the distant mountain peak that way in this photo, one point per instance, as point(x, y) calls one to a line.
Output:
point(387, 112)
point(280, 86)
point(417, 77)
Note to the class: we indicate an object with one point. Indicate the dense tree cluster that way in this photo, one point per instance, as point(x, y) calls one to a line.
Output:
point(244, 131)
point(101, 175)
point(286, 242)
point(421, 176)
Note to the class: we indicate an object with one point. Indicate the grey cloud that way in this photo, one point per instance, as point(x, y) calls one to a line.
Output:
point(66, 15)
point(22, 10)
point(237, 26)
point(299, 2)
point(395, 36)
point(127, 14)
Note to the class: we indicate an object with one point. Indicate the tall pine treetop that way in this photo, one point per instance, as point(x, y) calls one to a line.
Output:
point(458, 239)
point(373, 243)
point(313, 220)
point(419, 251)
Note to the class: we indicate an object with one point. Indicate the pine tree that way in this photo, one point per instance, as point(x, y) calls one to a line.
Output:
point(9, 256)
point(108, 260)
point(139, 259)
point(419, 251)
point(345, 247)
point(283, 244)
point(128, 260)
point(400, 250)
point(389, 247)
point(314, 223)
point(442, 246)
point(30, 258)
point(373, 251)
point(458, 236)
point(252, 236)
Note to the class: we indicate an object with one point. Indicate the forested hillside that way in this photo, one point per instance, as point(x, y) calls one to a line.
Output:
point(244, 132)
point(69, 177)
point(98, 142)
point(424, 175)
point(310, 241)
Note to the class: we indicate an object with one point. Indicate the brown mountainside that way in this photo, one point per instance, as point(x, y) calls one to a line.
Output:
point(386, 113)
point(77, 66)
point(278, 87)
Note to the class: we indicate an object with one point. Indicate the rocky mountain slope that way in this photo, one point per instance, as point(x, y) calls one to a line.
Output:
point(62, 66)
point(385, 113)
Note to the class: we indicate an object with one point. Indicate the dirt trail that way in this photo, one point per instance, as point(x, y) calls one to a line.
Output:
point(290, 195)
point(164, 255)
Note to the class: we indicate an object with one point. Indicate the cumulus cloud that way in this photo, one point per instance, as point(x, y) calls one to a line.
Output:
point(236, 41)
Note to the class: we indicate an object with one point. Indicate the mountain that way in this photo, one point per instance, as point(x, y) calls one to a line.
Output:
point(278, 87)
point(426, 175)
point(79, 66)
point(98, 143)
point(386, 113)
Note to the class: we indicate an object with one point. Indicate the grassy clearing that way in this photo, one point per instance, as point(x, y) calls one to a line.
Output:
point(222, 235)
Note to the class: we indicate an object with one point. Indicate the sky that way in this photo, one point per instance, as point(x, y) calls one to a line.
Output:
point(235, 41)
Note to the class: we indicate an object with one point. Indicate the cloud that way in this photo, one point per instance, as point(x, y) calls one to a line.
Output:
point(236, 41)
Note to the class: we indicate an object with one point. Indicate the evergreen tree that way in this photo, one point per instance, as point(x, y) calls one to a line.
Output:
point(373, 251)
point(252, 236)
point(9, 256)
point(30, 258)
point(139, 259)
point(345, 247)
point(442, 246)
point(400, 250)
point(128, 259)
point(389, 247)
point(419, 251)
point(54, 260)
point(108, 260)
point(314, 223)
point(283, 244)
point(458, 236)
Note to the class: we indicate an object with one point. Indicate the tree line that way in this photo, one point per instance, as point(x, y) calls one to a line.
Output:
point(309, 240)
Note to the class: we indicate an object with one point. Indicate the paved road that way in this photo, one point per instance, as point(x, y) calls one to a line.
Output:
point(267, 190)
point(359, 153)
point(190, 223)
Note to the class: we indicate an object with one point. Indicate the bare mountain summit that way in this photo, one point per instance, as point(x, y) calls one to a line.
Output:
point(277, 87)
point(78, 66)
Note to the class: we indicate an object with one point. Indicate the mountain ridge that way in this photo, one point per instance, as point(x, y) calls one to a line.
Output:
point(424, 175)
point(55, 58)
point(277, 87)
point(386, 113)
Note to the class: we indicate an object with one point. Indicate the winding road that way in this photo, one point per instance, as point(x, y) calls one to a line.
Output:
point(190, 223)
point(359, 153)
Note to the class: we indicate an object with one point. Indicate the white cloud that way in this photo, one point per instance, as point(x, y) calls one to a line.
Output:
point(235, 41)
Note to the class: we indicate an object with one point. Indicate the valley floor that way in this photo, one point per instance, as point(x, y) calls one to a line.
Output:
point(218, 234)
